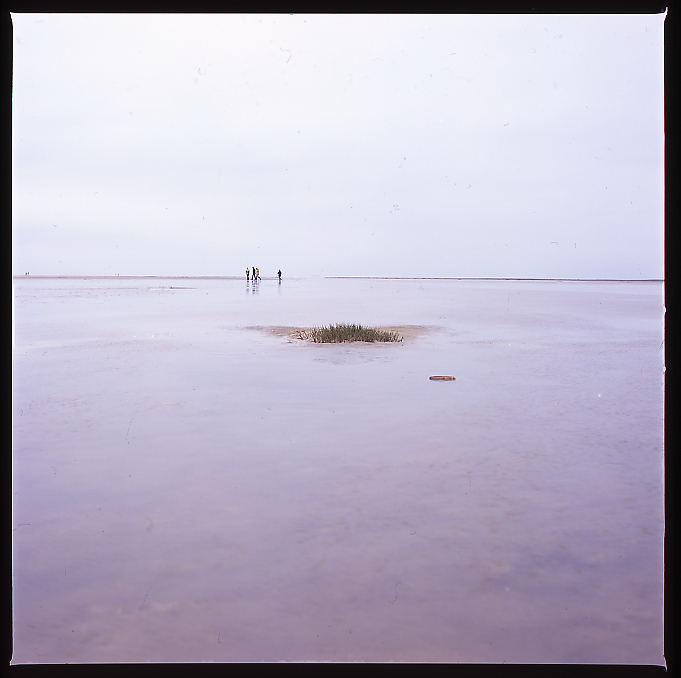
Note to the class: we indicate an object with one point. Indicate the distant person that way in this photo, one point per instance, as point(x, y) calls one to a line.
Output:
point(279, 274)
point(257, 273)
point(247, 273)
point(253, 276)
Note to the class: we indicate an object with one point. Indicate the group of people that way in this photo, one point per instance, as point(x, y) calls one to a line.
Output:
point(255, 274)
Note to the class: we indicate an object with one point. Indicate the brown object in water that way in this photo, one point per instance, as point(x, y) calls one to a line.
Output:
point(443, 378)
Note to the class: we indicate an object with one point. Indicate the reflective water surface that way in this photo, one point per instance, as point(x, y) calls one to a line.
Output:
point(188, 488)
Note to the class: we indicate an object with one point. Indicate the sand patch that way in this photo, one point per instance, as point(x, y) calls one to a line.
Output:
point(407, 332)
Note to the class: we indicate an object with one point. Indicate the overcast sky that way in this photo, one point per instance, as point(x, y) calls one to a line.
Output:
point(434, 145)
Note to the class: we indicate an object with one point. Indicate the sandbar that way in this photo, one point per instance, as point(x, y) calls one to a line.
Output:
point(405, 331)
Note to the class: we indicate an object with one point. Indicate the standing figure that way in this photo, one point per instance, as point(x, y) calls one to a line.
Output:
point(279, 274)
point(253, 276)
point(247, 273)
point(257, 273)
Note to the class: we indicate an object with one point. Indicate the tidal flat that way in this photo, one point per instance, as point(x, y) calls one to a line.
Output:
point(189, 484)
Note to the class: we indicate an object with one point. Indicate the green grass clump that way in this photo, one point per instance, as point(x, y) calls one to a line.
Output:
point(344, 332)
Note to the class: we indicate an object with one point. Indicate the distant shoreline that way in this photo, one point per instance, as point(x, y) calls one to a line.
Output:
point(328, 277)
point(397, 277)
point(134, 277)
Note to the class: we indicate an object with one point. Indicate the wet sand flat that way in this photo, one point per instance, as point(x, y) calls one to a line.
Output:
point(189, 488)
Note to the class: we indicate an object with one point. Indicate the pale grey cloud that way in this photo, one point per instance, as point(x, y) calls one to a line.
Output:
point(403, 145)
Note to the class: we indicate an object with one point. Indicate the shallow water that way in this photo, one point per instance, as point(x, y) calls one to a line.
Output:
point(187, 488)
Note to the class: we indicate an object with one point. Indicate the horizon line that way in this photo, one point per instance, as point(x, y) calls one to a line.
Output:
point(327, 277)
point(397, 277)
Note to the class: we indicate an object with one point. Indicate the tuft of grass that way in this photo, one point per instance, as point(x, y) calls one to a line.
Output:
point(346, 332)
